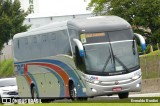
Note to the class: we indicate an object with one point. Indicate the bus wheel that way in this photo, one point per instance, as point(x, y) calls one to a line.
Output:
point(82, 98)
point(73, 92)
point(123, 95)
point(34, 93)
point(0, 99)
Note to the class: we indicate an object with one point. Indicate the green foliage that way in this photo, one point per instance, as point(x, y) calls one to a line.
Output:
point(11, 20)
point(147, 49)
point(99, 6)
point(157, 52)
point(156, 36)
point(6, 68)
point(141, 14)
point(140, 50)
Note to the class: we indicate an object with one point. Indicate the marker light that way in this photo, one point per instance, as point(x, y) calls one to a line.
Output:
point(135, 77)
point(93, 90)
point(138, 85)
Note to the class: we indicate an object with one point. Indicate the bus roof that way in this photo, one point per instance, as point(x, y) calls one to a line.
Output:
point(91, 24)
point(100, 23)
point(43, 29)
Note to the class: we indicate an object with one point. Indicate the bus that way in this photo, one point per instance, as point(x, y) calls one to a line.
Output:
point(78, 59)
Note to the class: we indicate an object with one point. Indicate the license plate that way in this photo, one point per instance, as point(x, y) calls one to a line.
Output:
point(117, 89)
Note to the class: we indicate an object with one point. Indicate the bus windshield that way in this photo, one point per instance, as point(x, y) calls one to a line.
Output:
point(110, 53)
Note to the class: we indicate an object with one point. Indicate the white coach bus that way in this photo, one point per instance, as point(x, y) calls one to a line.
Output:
point(78, 59)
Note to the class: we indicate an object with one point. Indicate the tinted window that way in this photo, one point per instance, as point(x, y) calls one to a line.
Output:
point(63, 44)
point(42, 45)
point(121, 35)
point(73, 34)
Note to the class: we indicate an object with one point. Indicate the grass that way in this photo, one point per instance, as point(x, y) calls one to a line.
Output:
point(6, 68)
point(92, 104)
point(157, 52)
point(96, 104)
point(100, 102)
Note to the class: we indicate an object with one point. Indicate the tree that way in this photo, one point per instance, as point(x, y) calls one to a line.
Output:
point(143, 15)
point(11, 20)
point(99, 7)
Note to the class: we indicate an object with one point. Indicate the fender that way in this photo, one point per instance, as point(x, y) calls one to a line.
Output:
point(142, 41)
point(80, 47)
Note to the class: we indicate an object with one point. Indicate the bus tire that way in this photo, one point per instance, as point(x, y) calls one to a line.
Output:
point(82, 98)
point(0, 99)
point(34, 93)
point(72, 91)
point(123, 95)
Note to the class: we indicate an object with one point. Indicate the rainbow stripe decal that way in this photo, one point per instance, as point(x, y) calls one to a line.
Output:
point(60, 70)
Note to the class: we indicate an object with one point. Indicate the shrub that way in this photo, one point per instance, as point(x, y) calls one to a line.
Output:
point(6, 68)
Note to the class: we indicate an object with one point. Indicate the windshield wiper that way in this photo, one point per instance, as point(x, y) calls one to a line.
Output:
point(106, 63)
point(119, 61)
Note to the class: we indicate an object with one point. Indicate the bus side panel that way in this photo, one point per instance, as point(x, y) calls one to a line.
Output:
point(74, 74)
point(51, 76)
point(23, 86)
point(46, 83)
point(53, 86)
point(40, 83)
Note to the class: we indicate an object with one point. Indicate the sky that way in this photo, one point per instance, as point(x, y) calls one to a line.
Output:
point(63, 7)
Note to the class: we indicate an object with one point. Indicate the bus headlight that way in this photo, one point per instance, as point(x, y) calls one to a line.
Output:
point(96, 82)
point(135, 77)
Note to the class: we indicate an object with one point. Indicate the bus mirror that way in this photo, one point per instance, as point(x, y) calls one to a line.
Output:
point(80, 47)
point(142, 41)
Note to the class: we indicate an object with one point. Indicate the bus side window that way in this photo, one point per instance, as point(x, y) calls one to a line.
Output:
point(17, 49)
point(52, 35)
point(26, 41)
point(79, 60)
point(73, 34)
point(35, 39)
point(25, 49)
point(62, 43)
point(44, 38)
point(52, 43)
point(18, 43)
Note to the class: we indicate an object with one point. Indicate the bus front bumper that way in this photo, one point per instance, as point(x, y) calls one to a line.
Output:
point(100, 90)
